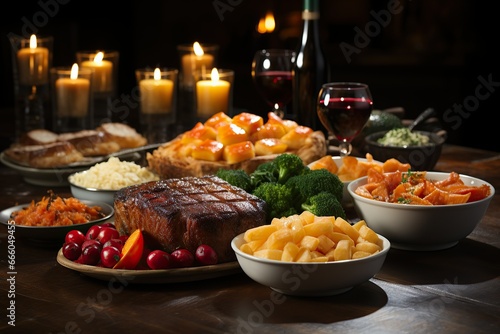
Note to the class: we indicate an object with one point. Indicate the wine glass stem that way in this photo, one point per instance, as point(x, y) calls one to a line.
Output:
point(345, 148)
point(279, 112)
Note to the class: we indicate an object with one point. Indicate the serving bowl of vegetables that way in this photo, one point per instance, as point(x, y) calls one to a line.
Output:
point(421, 149)
point(421, 211)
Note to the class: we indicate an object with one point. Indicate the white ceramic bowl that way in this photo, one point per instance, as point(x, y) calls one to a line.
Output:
point(422, 227)
point(92, 194)
point(310, 279)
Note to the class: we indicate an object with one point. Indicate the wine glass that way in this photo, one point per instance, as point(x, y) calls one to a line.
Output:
point(343, 109)
point(273, 76)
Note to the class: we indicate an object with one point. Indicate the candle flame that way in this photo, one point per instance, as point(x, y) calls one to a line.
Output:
point(215, 74)
point(74, 71)
point(266, 24)
point(157, 74)
point(33, 42)
point(198, 50)
point(99, 57)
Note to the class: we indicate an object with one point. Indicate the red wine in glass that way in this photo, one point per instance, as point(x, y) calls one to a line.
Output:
point(345, 117)
point(275, 87)
point(344, 109)
point(272, 73)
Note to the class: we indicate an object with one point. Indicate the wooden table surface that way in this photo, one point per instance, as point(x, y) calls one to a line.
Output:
point(449, 291)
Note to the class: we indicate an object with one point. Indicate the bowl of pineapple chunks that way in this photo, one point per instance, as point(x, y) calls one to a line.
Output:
point(308, 255)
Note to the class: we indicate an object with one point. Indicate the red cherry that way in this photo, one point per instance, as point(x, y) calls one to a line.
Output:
point(115, 242)
point(75, 236)
point(159, 259)
point(91, 255)
point(93, 232)
point(106, 234)
point(182, 258)
point(110, 256)
point(206, 255)
point(71, 250)
point(90, 242)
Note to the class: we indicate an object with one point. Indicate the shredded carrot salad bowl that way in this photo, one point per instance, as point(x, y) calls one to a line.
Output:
point(421, 211)
point(49, 219)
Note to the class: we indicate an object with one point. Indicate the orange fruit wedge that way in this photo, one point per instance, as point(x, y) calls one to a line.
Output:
point(131, 251)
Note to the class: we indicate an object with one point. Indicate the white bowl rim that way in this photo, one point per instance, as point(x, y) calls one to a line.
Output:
point(362, 180)
point(88, 188)
point(383, 252)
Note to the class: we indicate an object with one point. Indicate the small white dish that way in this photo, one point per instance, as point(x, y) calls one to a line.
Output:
point(310, 278)
point(92, 194)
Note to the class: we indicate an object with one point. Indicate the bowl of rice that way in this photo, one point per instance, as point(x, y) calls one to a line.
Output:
point(101, 181)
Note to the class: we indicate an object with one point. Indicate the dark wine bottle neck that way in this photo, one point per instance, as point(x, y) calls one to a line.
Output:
point(311, 6)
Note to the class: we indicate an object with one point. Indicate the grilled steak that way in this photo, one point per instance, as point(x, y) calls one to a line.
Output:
point(187, 212)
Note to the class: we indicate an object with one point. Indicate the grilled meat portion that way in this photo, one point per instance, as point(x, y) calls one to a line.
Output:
point(187, 212)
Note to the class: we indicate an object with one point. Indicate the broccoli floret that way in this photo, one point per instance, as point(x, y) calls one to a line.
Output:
point(313, 182)
point(265, 172)
point(324, 204)
point(278, 198)
point(236, 177)
point(288, 165)
point(278, 170)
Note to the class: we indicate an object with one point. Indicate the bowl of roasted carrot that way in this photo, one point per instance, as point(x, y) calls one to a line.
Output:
point(421, 211)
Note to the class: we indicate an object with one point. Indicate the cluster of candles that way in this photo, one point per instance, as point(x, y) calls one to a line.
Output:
point(72, 89)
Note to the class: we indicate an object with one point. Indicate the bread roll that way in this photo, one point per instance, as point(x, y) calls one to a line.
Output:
point(38, 137)
point(50, 155)
point(123, 135)
point(91, 142)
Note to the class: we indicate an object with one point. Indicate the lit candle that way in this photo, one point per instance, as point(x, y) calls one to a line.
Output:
point(195, 61)
point(33, 64)
point(212, 96)
point(102, 80)
point(72, 95)
point(156, 94)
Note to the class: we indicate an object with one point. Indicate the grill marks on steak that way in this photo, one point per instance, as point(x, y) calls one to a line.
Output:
point(187, 212)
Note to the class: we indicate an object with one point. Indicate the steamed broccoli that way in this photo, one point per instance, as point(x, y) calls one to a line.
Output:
point(313, 182)
point(278, 198)
point(265, 172)
point(236, 177)
point(278, 170)
point(288, 165)
point(324, 204)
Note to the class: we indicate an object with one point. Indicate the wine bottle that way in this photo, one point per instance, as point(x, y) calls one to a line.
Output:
point(311, 69)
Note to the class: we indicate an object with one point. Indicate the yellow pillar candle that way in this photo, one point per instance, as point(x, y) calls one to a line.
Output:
point(33, 64)
point(191, 63)
point(156, 94)
point(72, 95)
point(102, 81)
point(212, 96)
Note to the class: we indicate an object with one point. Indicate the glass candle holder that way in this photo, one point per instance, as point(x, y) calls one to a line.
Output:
point(158, 102)
point(194, 58)
point(213, 93)
point(105, 66)
point(31, 60)
point(72, 98)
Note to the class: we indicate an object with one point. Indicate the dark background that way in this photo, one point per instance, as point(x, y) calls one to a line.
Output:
point(434, 53)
